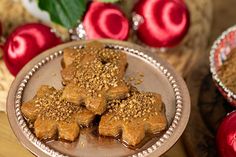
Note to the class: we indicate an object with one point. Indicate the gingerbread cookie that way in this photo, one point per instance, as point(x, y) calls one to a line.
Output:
point(133, 117)
point(50, 114)
point(91, 81)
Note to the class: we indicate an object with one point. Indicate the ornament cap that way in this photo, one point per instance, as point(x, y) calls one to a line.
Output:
point(78, 33)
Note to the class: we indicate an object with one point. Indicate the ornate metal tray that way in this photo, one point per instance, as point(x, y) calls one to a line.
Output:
point(158, 77)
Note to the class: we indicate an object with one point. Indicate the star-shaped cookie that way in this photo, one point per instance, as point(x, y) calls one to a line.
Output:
point(133, 117)
point(52, 115)
point(93, 80)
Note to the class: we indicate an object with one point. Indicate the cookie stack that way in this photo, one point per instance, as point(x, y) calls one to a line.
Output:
point(94, 85)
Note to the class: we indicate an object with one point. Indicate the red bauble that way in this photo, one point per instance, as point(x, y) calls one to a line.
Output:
point(165, 22)
point(226, 136)
point(26, 42)
point(105, 20)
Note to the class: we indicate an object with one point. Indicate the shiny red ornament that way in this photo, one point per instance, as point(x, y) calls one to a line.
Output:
point(164, 22)
point(105, 20)
point(226, 136)
point(26, 42)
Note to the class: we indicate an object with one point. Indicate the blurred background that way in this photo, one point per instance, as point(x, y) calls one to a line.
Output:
point(209, 18)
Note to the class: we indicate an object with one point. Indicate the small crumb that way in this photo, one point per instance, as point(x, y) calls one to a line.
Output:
point(137, 79)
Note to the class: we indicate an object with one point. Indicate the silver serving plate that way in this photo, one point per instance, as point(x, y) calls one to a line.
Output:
point(158, 77)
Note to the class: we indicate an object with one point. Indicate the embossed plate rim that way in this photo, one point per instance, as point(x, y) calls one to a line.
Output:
point(167, 140)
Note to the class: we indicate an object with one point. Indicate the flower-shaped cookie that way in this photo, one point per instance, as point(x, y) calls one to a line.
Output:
point(92, 81)
point(133, 117)
point(52, 115)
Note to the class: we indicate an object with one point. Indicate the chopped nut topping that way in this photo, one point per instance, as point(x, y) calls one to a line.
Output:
point(95, 76)
point(136, 106)
point(51, 106)
point(106, 54)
